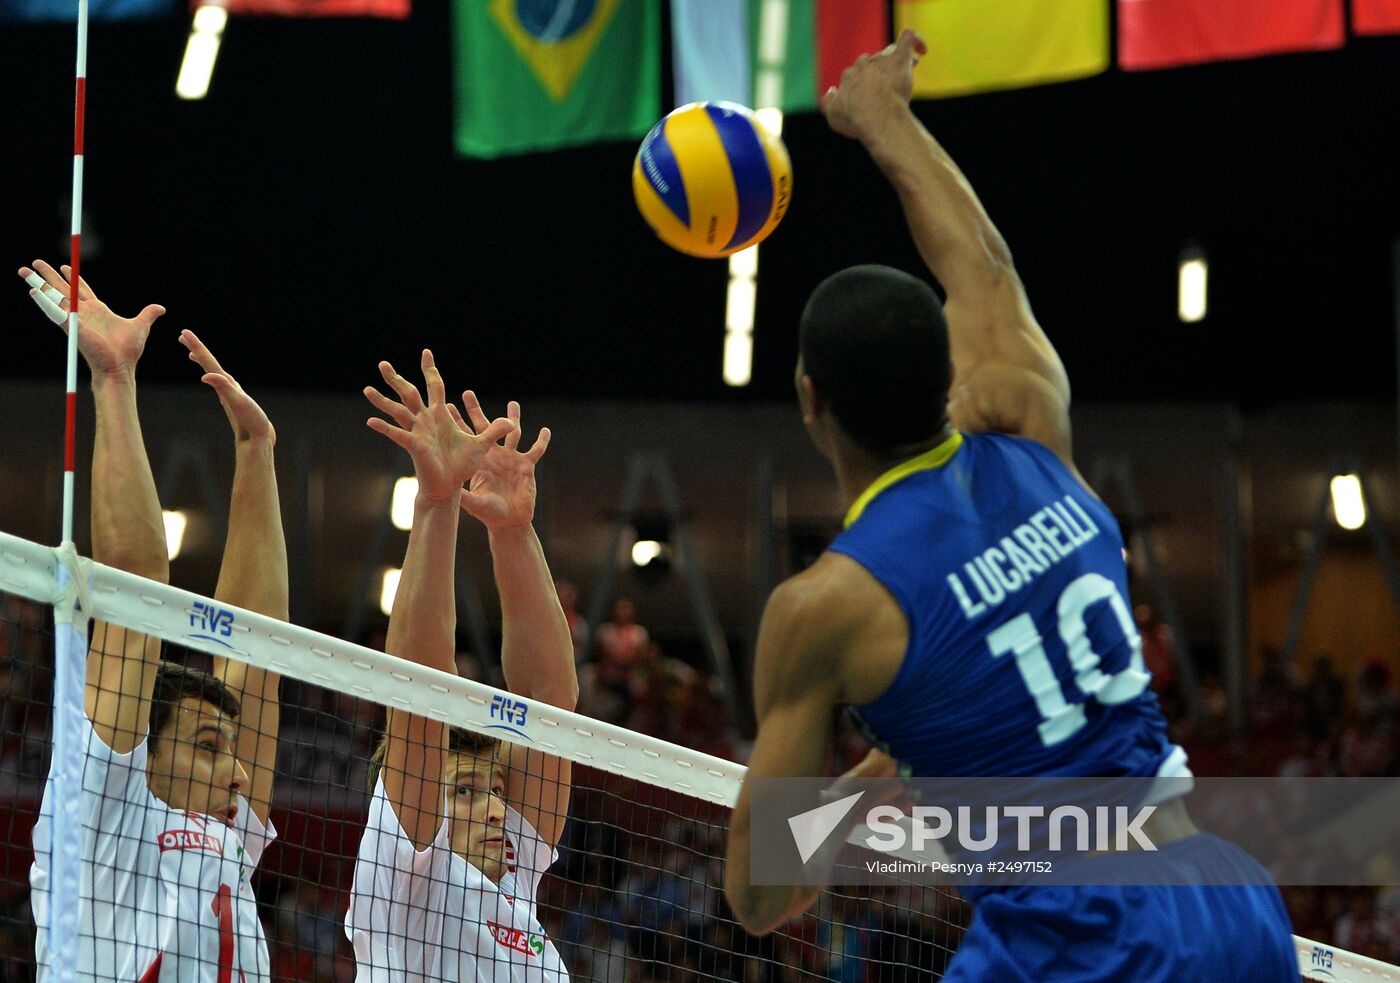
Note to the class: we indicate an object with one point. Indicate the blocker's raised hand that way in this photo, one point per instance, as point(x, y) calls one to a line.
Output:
point(446, 453)
point(109, 344)
point(502, 492)
point(247, 418)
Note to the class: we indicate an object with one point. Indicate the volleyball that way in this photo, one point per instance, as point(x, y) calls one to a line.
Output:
point(711, 179)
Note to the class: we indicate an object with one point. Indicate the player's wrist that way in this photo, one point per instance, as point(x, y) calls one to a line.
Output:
point(510, 533)
point(254, 447)
point(885, 123)
point(118, 377)
point(426, 501)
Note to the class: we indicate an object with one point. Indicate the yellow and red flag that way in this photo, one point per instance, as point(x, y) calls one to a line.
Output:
point(980, 45)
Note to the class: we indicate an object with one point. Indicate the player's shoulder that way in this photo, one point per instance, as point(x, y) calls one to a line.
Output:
point(830, 593)
point(823, 612)
point(1005, 455)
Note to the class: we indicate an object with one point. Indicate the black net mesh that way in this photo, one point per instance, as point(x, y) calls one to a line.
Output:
point(635, 895)
point(26, 688)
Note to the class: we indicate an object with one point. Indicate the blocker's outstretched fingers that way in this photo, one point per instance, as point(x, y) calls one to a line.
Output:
point(84, 291)
point(475, 413)
point(408, 393)
point(513, 413)
point(540, 446)
point(388, 407)
point(401, 437)
point(52, 278)
point(437, 392)
point(456, 415)
point(200, 353)
point(50, 301)
point(497, 429)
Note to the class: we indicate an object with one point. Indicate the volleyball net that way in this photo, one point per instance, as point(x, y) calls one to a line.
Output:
point(634, 895)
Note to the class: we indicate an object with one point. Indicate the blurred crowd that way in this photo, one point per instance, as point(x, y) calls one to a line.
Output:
point(628, 679)
point(637, 894)
point(1325, 723)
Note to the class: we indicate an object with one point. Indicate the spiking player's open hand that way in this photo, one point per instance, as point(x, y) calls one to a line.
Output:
point(247, 418)
point(502, 492)
point(110, 344)
point(873, 87)
point(446, 453)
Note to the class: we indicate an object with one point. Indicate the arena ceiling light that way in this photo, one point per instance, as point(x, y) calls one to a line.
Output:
point(201, 51)
point(388, 589)
point(743, 265)
point(644, 551)
point(401, 505)
point(175, 523)
point(1191, 276)
point(1348, 503)
point(738, 317)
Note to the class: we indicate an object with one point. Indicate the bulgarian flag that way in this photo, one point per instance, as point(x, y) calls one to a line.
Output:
point(782, 53)
point(1375, 16)
point(981, 45)
point(1167, 33)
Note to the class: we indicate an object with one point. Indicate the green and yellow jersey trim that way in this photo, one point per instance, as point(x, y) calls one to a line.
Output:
point(927, 461)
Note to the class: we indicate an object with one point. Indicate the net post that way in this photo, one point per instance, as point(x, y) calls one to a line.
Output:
point(66, 766)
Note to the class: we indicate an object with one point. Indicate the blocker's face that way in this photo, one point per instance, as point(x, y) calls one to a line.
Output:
point(193, 765)
point(476, 810)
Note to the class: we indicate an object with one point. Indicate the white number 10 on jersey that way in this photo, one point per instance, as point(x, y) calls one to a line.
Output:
point(1060, 719)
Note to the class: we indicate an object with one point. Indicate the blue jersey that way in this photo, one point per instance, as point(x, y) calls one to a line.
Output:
point(1023, 658)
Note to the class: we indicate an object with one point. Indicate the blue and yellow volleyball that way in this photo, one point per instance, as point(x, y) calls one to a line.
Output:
point(711, 179)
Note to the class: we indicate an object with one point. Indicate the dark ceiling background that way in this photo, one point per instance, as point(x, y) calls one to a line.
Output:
point(310, 217)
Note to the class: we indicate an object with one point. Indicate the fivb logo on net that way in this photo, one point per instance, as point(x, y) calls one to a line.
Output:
point(912, 833)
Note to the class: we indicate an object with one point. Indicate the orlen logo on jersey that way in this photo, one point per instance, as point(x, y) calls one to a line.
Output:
point(525, 943)
point(189, 839)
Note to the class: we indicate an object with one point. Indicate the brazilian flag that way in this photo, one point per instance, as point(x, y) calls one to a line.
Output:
point(539, 74)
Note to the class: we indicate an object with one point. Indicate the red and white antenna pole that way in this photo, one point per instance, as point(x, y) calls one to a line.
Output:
point(70, 625)
point(71, 413)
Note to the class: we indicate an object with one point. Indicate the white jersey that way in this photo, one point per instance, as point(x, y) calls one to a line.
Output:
point(432, 916)
point(165, 893)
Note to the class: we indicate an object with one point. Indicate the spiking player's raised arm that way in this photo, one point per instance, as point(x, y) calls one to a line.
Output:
point(1007, 376)
point(973, 614)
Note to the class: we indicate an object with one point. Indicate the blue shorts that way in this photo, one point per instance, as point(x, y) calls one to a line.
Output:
point(1146, 934)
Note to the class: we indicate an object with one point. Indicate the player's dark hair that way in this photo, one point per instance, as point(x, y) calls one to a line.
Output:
point(174, 682)
point(875, 342)
point(459, 741)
